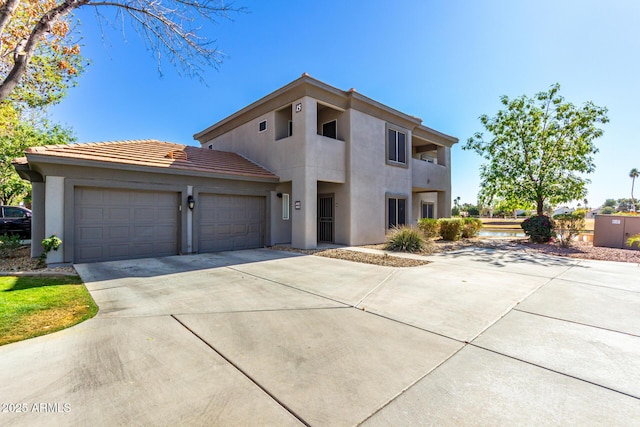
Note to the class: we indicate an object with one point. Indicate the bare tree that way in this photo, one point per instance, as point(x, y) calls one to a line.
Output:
point(171, 29)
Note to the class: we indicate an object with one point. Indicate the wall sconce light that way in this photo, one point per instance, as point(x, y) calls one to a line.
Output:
point(191, 202)
point(279, 195)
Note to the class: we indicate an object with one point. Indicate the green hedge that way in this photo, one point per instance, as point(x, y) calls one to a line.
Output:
point(470, 227)
point(450, 228)
point(429, 227)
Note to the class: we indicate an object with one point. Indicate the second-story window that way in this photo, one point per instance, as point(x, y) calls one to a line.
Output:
point(397, 146)
point(330, 129)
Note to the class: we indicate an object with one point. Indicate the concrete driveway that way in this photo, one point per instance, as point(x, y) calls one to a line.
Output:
point(260, 337)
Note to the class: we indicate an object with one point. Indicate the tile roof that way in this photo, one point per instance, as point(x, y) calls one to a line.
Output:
point(153, 153)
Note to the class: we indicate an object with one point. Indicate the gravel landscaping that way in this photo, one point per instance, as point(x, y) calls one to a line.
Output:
point(582, 250)
point(21, 261)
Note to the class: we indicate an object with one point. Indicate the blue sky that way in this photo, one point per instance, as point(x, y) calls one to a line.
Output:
point(446, 62)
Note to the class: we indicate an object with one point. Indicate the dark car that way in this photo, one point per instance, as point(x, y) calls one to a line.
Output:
point(15, 220)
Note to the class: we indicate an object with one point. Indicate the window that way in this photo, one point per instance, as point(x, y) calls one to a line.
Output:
point(396, 212)
point(11, 212)
point(427, 210)
point(330, 129)
point(285, 206)
point(262, 126)
point(396, 146)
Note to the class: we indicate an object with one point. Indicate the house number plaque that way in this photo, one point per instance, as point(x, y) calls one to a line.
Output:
point(297, 205)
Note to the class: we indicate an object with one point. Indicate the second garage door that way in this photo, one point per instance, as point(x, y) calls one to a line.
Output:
point(121, 224)
point(230, 222)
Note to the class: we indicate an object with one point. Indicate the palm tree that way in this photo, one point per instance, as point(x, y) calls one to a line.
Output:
point(633, 175)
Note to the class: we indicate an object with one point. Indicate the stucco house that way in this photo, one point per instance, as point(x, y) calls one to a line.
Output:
point(304, 165)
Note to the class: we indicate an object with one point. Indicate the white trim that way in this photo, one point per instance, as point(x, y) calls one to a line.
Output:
point(286, 208)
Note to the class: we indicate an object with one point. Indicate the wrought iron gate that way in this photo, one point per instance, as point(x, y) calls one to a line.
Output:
point(325, 218)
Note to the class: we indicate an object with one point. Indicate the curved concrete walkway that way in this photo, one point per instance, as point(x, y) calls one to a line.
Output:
point(260, 337)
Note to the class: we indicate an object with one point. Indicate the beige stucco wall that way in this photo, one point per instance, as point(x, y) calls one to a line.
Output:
point(59, 196)
point(353, 167)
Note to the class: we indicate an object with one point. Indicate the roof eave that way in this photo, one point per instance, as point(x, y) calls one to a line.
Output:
point(50, 159)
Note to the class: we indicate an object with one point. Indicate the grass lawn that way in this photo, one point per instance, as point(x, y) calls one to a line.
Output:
point(33, 306)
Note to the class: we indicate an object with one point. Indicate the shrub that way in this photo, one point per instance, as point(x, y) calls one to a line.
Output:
point(568, 226)
point(405, 239)
point(48, 244)
point(9, 244)
point(450, 228)
point(471, 227)
point(429, 227)
point(539, 228)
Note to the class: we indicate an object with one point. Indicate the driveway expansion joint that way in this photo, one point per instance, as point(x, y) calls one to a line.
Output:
point(554, 371)
point(575, 323)
point(246, 375)
point(266, 279)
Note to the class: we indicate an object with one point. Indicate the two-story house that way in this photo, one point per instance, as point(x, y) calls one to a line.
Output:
point(349, 167)
point(304, 165)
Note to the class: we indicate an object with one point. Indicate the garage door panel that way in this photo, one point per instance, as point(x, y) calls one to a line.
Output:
point(121, 233)
point(116, 197)
point(89, 233)
point(229, 222)
point(93, 252)
point(120, 224)
point(91, 214)
point(118, 214)
point(118, 251)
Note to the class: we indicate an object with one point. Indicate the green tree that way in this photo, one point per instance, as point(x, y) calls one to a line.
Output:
point(610, 202)
point(539, 149)
point(13, 141)
point(55, 61)
point(608, 210)
point(471, 210)
point(627, 205)
point(34, 33)
point(633, 175)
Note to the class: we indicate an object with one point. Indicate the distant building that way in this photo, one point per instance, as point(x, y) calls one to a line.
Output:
point(563, 210)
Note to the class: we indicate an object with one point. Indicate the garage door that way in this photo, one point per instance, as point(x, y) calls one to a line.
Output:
point(230, 222)
point(122, 224)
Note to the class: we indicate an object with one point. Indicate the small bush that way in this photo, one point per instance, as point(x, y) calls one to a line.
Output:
point(470, 227)
point(539, 228)
point(9, 244)
point(405, 239)
point(48, 244)
point(568, 226)
point(450, 228)
point(429, 227)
